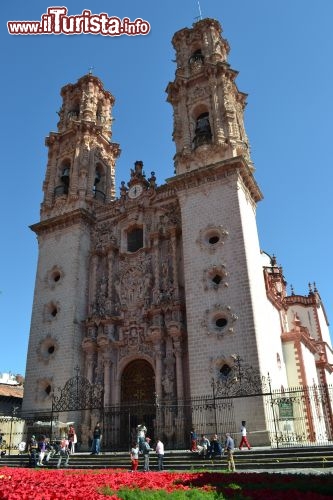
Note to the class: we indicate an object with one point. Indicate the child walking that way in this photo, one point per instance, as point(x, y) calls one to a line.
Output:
point(134, 453)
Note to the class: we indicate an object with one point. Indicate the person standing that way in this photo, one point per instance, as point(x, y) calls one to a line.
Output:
point(141, 431)
point(229, 447)
point(145, 450)
point(72, 438)
point(41, 451)
point(160, 454)
point(134, 454)
point(244, 441)
point(215, 449)
point(97, 436)
point(33, 450)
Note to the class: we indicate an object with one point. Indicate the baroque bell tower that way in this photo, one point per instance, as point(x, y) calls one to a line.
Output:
point(80, 178)
point(208, 107)
point(81, 162)
point(217, 194)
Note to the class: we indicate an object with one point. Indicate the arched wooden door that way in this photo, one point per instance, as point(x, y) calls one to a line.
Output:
point(138, 397)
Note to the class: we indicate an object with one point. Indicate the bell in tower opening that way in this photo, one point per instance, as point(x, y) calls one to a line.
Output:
point(203, 133)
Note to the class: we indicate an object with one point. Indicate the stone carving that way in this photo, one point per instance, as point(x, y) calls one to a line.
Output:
point(104, 236)
point(168, 381)
point(132, 340)
point(134, 281)
point(99, 308)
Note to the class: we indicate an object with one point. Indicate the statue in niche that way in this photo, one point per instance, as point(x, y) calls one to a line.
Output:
point(168, 385)
point(111, 333)
point(117, 289)
point(101, 297)
point(131, 291)
point(84, 160)
point(99, 374)
point(147, 284)
point(164, 275)
point(157, 296)
point(82, 180)
point(132, 288)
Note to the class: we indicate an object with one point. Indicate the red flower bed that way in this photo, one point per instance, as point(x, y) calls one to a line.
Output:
point(27, 484)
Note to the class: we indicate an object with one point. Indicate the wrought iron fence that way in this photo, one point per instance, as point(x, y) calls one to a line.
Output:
point(300, 416)
point(170, 421)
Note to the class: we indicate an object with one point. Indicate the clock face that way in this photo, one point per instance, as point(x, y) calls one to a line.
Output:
point(135, 191)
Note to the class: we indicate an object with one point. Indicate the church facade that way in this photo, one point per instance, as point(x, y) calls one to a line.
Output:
point(162, 296)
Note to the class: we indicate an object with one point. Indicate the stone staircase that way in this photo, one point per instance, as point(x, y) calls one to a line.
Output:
point(256, 459)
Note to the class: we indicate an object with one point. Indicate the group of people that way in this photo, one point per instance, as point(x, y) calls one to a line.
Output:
point(41, 451)
point(214, 448)
point(142, 445)
point(44, 449)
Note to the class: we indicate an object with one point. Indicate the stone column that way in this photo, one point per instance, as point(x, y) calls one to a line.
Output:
point(158, 370)
point(90, 366)
point(174, 262)
point(92, 281)
point(183, 112)
point(179, 370)
point(107, 363)
point(155, 336)
point(215, 106)
point(111, 258)
point(156, 295)
point(89, 347)
point(74, 177)
point(51, 172)
point(175, 331)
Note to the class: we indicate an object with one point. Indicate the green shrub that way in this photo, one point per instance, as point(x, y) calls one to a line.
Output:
point(137, 494)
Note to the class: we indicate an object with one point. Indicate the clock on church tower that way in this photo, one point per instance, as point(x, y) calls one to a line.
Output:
point(135, 191)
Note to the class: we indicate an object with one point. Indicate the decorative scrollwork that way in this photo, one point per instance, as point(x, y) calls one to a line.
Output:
point(78, 394)
point(240, 379)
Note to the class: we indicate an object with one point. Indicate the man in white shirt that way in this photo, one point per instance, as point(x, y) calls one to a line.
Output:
point(160, 454)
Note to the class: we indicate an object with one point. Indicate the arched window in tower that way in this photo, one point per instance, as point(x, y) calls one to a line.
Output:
point(99, 187)
point(64, 179)
point(196, 61)
point(202, 133)
point(74, 112)
point(134, 239)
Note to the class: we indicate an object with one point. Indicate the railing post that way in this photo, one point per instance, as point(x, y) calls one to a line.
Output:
point(214, 405)
point(272, 405)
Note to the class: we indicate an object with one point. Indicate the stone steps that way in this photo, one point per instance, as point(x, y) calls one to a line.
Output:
point(256, 459)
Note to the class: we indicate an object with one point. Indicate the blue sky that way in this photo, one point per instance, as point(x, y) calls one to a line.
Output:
point(283, 52)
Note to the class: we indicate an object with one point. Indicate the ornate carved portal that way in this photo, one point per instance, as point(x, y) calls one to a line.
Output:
point(138, 395)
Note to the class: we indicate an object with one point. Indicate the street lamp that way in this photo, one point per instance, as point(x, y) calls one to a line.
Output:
point(14, 410)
